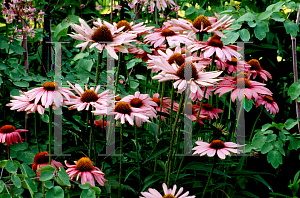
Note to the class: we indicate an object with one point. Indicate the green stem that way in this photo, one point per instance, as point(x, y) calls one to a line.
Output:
point(224, 105)
point(201, 104)
point(117, 77)
point(90, 137)
point(229, 105)
point(212, 62)
point(172, 104)
point(255, 124)
point(35, 130)
point(50, 130)
point(211, 172)
point(98, 68)
point(120, 170)
point(137, 154)
point(43, 189)
point(178, 171)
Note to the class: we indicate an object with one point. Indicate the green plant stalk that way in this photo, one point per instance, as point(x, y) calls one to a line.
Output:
point(159, 122)
point(211, 172)
point(35, 130)
point(99, 61)
point(137, 154)
point(167, 177)
point(94, 137)
point(237, 121)
point(255, 123)
point(90, 137)
point(178, 171)
point(229, 105)
point(172, 104)
point(118, 72)
point(43, 189)
point(213, 62)
point(224, 105)
point(201, 104)
point(120, 170)
point(50, 130)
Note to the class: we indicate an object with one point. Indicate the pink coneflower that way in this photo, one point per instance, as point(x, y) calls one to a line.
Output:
point(160, 35)
point(143, 102)
point(251, 90)
point(268, 102)
point(201, 24)
point(85, 168)
point(215, 45)
point(191, 112)
point(100, 123)
point(166, 104)
point(139, 28)
point(87, 98)
point(234, 65)
point(216, 146)
point(177, 73)
point(168, 193)
point(108, 34)
point(210, 110)
point(41, 159)
point(22, 103)
point(257, 69)
point(10, 135)
point(48, 94)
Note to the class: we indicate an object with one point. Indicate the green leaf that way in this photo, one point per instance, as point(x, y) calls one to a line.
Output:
point(277, 17)
point(290, 123)
point(231, 37)
point(19, 147)
point(48, 184)
point(251, 24)
point(85, 64)
point(16, 180)
point(16, 48)
point(266, 148)
point(27, 171)
point(266, 126)
point(97, 190)
point(275, 158)
point(259, 140)
point(47, 167)
point(159, 148)
point(27, 156)
point(191, 10)
point(247, 17)
point(248, 105)
point(22, 84)
point(46, 175)
point(295, 143)
point(84, 186)
point(278, 145)
point(88, 194)
point(271, 137)
point(245, 36)
point(291, 28)
point(45, 117)
point(1, 186)
point(260, 29)
point(264, 15)
point(31, 186)
point(56, 192)
point(129, 171)
point(134, 84)
point(3, 44)
point(63, 175)
point(11, 167)
point(206, 168)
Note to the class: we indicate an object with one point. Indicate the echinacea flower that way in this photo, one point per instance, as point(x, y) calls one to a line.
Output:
point(210, 110)
point(42, 159)
point(85, 168)
point(10, 134)
point(168, 193)
point(48, 94)
point(191, 112)
point(268, 102)
point(234, 65)
point(86, 98)
point(111, 37)
point(257, 69)
point(216, 146)
point(166, 103)
point(138, 28)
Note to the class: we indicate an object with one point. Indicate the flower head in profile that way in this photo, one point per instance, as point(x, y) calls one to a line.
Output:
point(257, 69)
point(166, 104)
point(48, 94)
point(216, 146)
point(42, 159)
point(210, 110)
point(168, 193)
point(139, 28)
point(268, 102)
point(85, 168)
point(10, 134)
point(233, 66)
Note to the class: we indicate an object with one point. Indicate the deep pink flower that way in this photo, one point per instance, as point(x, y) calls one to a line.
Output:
point(216, 146)
point(10, 135)
point(257, 69)
point(268, 102)
point(165, 105)
point(234, 65)
point(84, 167)
point(168, 193)
point(210, 110)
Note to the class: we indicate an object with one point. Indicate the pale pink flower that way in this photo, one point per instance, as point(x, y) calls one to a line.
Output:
point(85, 168)
point(139, 28)
point(153, 193)
point(10, 135)
point(48, 94)
point(216, 146)
point(191, 112)
point(268, 102)
point(257, 69)
point(104, 35)
point(86, 98)
point(210, 110)
point(165, 105)
point(234, 65)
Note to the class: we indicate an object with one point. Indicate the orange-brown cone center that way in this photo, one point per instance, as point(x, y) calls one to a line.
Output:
point(207, 107)
point(167, 32)
point(186, 67)
point(41, 158)
point(201, 20)
point(102, 34)
point(269, 99)
point(84, 164)
point(124, 23)
point(255, 65)
point(176, 57)
point(232, 62)
point(169, 196)
point(7, 129)
point(136, 102)
point(243, 81)
point(241, 75)
point(50, 86)
point(157, 101)
point(118, 98)
point(89, 96)
point(123, 107)
point(215, 43)
point(217, 144)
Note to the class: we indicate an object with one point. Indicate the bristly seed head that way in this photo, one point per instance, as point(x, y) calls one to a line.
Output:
point(41, 158)
point(50, 86)
point(168, 196)
point(243, 81)
point(215, 43)
point(123, 107)
point(118, 98)
point(124, 23)
point(7, 129)
point(84, 164)
point(176, 57)
point(207, 107)
point(201, 20)
point(167, 32)
point(217, 144)
point(269, 99)
point(102, 34)
point(255, 65)
point(186, 67)
point(157, 101)
point(136, 102)
point(232, 62)
point(89, 96)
